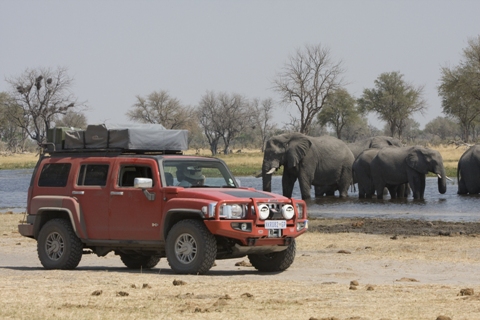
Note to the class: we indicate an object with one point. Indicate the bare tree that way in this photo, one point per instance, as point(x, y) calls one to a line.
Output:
point(264, 109)
point(160, 107)
point(41, 95)
point(225, 116)
point(306, 80)
point(208, 113)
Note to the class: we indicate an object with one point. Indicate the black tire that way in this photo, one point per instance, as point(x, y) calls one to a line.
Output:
point(137, 261)
point(275, 261)
point(190, 247)
point(58, 246)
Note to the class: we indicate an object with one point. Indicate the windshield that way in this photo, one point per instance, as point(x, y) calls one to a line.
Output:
point(197, 173)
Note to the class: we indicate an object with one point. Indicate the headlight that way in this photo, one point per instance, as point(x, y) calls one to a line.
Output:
point(300, 210)
point(232, 211)
point(263, 211)
point(288, 212)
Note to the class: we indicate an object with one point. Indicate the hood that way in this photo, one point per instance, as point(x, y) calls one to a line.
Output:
point(227, 194)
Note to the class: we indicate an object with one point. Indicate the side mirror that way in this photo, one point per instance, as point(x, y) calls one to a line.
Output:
point(142, 183)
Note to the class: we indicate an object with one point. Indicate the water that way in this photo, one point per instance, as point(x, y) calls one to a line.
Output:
point(13, 189)
point(436, 206)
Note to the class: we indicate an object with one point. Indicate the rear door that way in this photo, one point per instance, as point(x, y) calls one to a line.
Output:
point(132, 216)
point(91, 191)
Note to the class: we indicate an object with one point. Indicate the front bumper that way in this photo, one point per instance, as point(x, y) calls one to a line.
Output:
point(258, 235)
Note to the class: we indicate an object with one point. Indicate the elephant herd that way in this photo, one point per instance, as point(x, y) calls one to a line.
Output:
point(375, 164)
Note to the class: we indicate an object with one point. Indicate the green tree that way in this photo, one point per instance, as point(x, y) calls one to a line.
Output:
point(460, 89)
point(393, 100)
point(306, 80)
point(72, 119)
point(339, 111)
point(442, 127)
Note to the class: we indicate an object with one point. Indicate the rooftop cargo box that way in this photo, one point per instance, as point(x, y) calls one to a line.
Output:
point(127, 137)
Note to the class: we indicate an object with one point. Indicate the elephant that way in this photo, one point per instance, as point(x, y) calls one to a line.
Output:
point(362, 173)
point(394, 166)
point(373, 142)
point(468, 171)
point(358, 147)
point(323, 161)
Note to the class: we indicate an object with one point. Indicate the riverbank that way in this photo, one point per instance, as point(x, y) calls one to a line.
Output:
point(244, 163)
point(335, 275)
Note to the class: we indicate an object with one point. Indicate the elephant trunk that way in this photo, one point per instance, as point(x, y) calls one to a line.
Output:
point(267, 171)
point(442, 182)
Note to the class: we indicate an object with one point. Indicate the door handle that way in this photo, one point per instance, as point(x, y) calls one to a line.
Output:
point(116, 193)
point(78, 192)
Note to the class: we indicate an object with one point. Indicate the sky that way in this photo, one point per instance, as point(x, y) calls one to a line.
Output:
point(116, 50)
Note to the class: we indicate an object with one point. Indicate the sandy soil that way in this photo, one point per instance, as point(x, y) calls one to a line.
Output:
point(344, 269)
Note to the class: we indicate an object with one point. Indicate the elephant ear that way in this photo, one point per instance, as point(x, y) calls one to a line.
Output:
point(416, 160)
point(297, 149)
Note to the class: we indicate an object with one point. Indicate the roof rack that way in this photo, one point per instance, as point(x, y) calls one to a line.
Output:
point(50, 149)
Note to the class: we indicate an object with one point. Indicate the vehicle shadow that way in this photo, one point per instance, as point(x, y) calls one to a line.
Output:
point(161, 271)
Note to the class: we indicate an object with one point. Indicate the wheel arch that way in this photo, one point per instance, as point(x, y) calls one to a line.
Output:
point(44, 215)
point(176, 215)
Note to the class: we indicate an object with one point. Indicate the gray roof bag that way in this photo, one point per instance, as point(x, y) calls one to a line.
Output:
point(132, 137)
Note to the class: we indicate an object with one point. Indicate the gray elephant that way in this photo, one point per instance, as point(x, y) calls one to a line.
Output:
point(320, 161)
point(362, 173)
point(358, 147)
point(396, 166)
point(468, 171)
point(373, 142)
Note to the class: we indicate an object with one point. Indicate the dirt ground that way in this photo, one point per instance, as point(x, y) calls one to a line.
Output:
point(344, 269)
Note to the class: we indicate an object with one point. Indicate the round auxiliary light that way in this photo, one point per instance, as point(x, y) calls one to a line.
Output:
point(288, 212)
point(263, 211)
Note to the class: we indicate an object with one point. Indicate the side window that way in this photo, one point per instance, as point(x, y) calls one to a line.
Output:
point(54, 175)
point(93, 175)
point(128, 174)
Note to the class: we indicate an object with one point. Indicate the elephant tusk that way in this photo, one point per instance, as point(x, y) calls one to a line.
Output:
point(446, 177)
point(271, 171)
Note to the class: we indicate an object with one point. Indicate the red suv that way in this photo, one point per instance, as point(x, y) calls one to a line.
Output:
point(147, 205)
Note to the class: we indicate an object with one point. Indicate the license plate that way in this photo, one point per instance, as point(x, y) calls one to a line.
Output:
point(275, 224)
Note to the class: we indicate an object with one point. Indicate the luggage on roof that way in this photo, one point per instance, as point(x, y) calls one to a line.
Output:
point(148, 137)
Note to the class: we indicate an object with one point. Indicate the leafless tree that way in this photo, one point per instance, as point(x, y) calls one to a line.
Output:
point(224, 116)
point(160, 107)
point(41, 95)
point(264, 125)
point(307, 79)
point(209, 114)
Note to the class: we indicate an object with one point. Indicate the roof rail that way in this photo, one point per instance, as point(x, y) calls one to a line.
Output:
point(47, 148)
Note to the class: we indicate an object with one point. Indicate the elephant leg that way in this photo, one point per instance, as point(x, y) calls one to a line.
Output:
point(305, 190)
point(379, 187)
point(288, 181)
point(392, 190)
point(422, 187)
point(361, 191)
point(462, 187)
point(401, 191)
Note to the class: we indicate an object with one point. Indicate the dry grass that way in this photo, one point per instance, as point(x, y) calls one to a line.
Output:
point(18, 160)
point(408, 278)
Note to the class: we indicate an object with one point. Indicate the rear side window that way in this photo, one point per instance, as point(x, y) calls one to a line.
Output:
point(54, 175)
point(93, 175)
